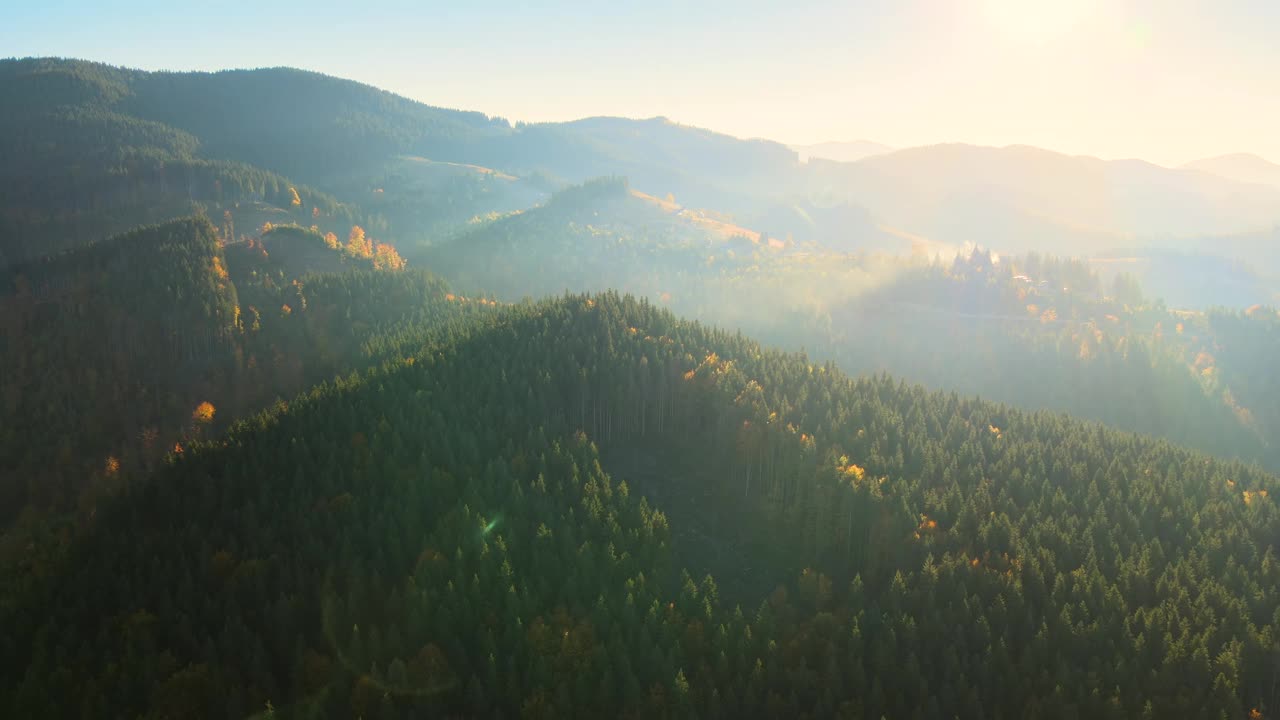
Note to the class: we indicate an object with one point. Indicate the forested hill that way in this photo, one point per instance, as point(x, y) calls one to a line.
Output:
point(87, 150)
point(104, 338)
point(77, 165)
point(496, 526)
point(118, 352)
point(593, 237)
point(1042, 332)
point(1034, 331)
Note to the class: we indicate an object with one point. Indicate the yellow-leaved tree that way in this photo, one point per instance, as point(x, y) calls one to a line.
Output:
point(385, 257)
point(203, 414)
point(358, 244)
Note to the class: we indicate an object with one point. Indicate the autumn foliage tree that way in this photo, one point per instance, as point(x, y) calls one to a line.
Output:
point(385, 257)
point(357, 244)
point(203, 414)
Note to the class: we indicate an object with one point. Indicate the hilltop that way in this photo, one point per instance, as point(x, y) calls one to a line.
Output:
point(113, 349)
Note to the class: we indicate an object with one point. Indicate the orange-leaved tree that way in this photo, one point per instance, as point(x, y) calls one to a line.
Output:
point(385, 257)
point(357, 244)
point(203, 414)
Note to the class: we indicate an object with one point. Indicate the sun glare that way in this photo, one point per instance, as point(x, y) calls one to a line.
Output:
point(1035, 21)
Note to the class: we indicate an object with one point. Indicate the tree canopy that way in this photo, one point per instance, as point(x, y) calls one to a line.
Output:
point(458, 532)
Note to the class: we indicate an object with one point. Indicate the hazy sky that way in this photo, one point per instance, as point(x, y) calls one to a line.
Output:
point(1165, 80)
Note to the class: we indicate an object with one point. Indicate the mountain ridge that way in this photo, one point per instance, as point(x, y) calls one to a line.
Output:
point(1242, 167)
point(933, 189)
point(343, 137)
point(842, 150)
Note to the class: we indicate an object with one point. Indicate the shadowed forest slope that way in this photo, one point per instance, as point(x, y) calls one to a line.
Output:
point(441, 536)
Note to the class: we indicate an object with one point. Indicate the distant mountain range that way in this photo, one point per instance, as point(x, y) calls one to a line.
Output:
point(1242, 167)
point(850, 151)
point(89, 150)
point(1025, 198)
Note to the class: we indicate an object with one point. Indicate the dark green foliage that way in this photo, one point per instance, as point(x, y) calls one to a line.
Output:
point(108, 349)
point(585, 506)
point(113, 336)
point(1058, 341)
point(440, 537)
point(428, 201)
point(294, 114)
point(596, 236)
point(74, 168)
point(1035, 332)
point(89, 148)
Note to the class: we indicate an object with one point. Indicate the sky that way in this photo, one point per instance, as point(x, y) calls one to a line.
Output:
point(1164, 80)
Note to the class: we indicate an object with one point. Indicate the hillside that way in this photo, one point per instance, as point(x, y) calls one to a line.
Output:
point(1032, 331)
point(1041, 333)
point(704, 167)
point(77, 165)
point(91, 150)
point(1241, 167)
point(119, 350)
point(308, 125)
point(850, 151)
point(105, 338)
point(1233, 272)
point(595, 236)
point(304, 124)
point(443, 537)
point(432, 200)
point(1019, 199)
